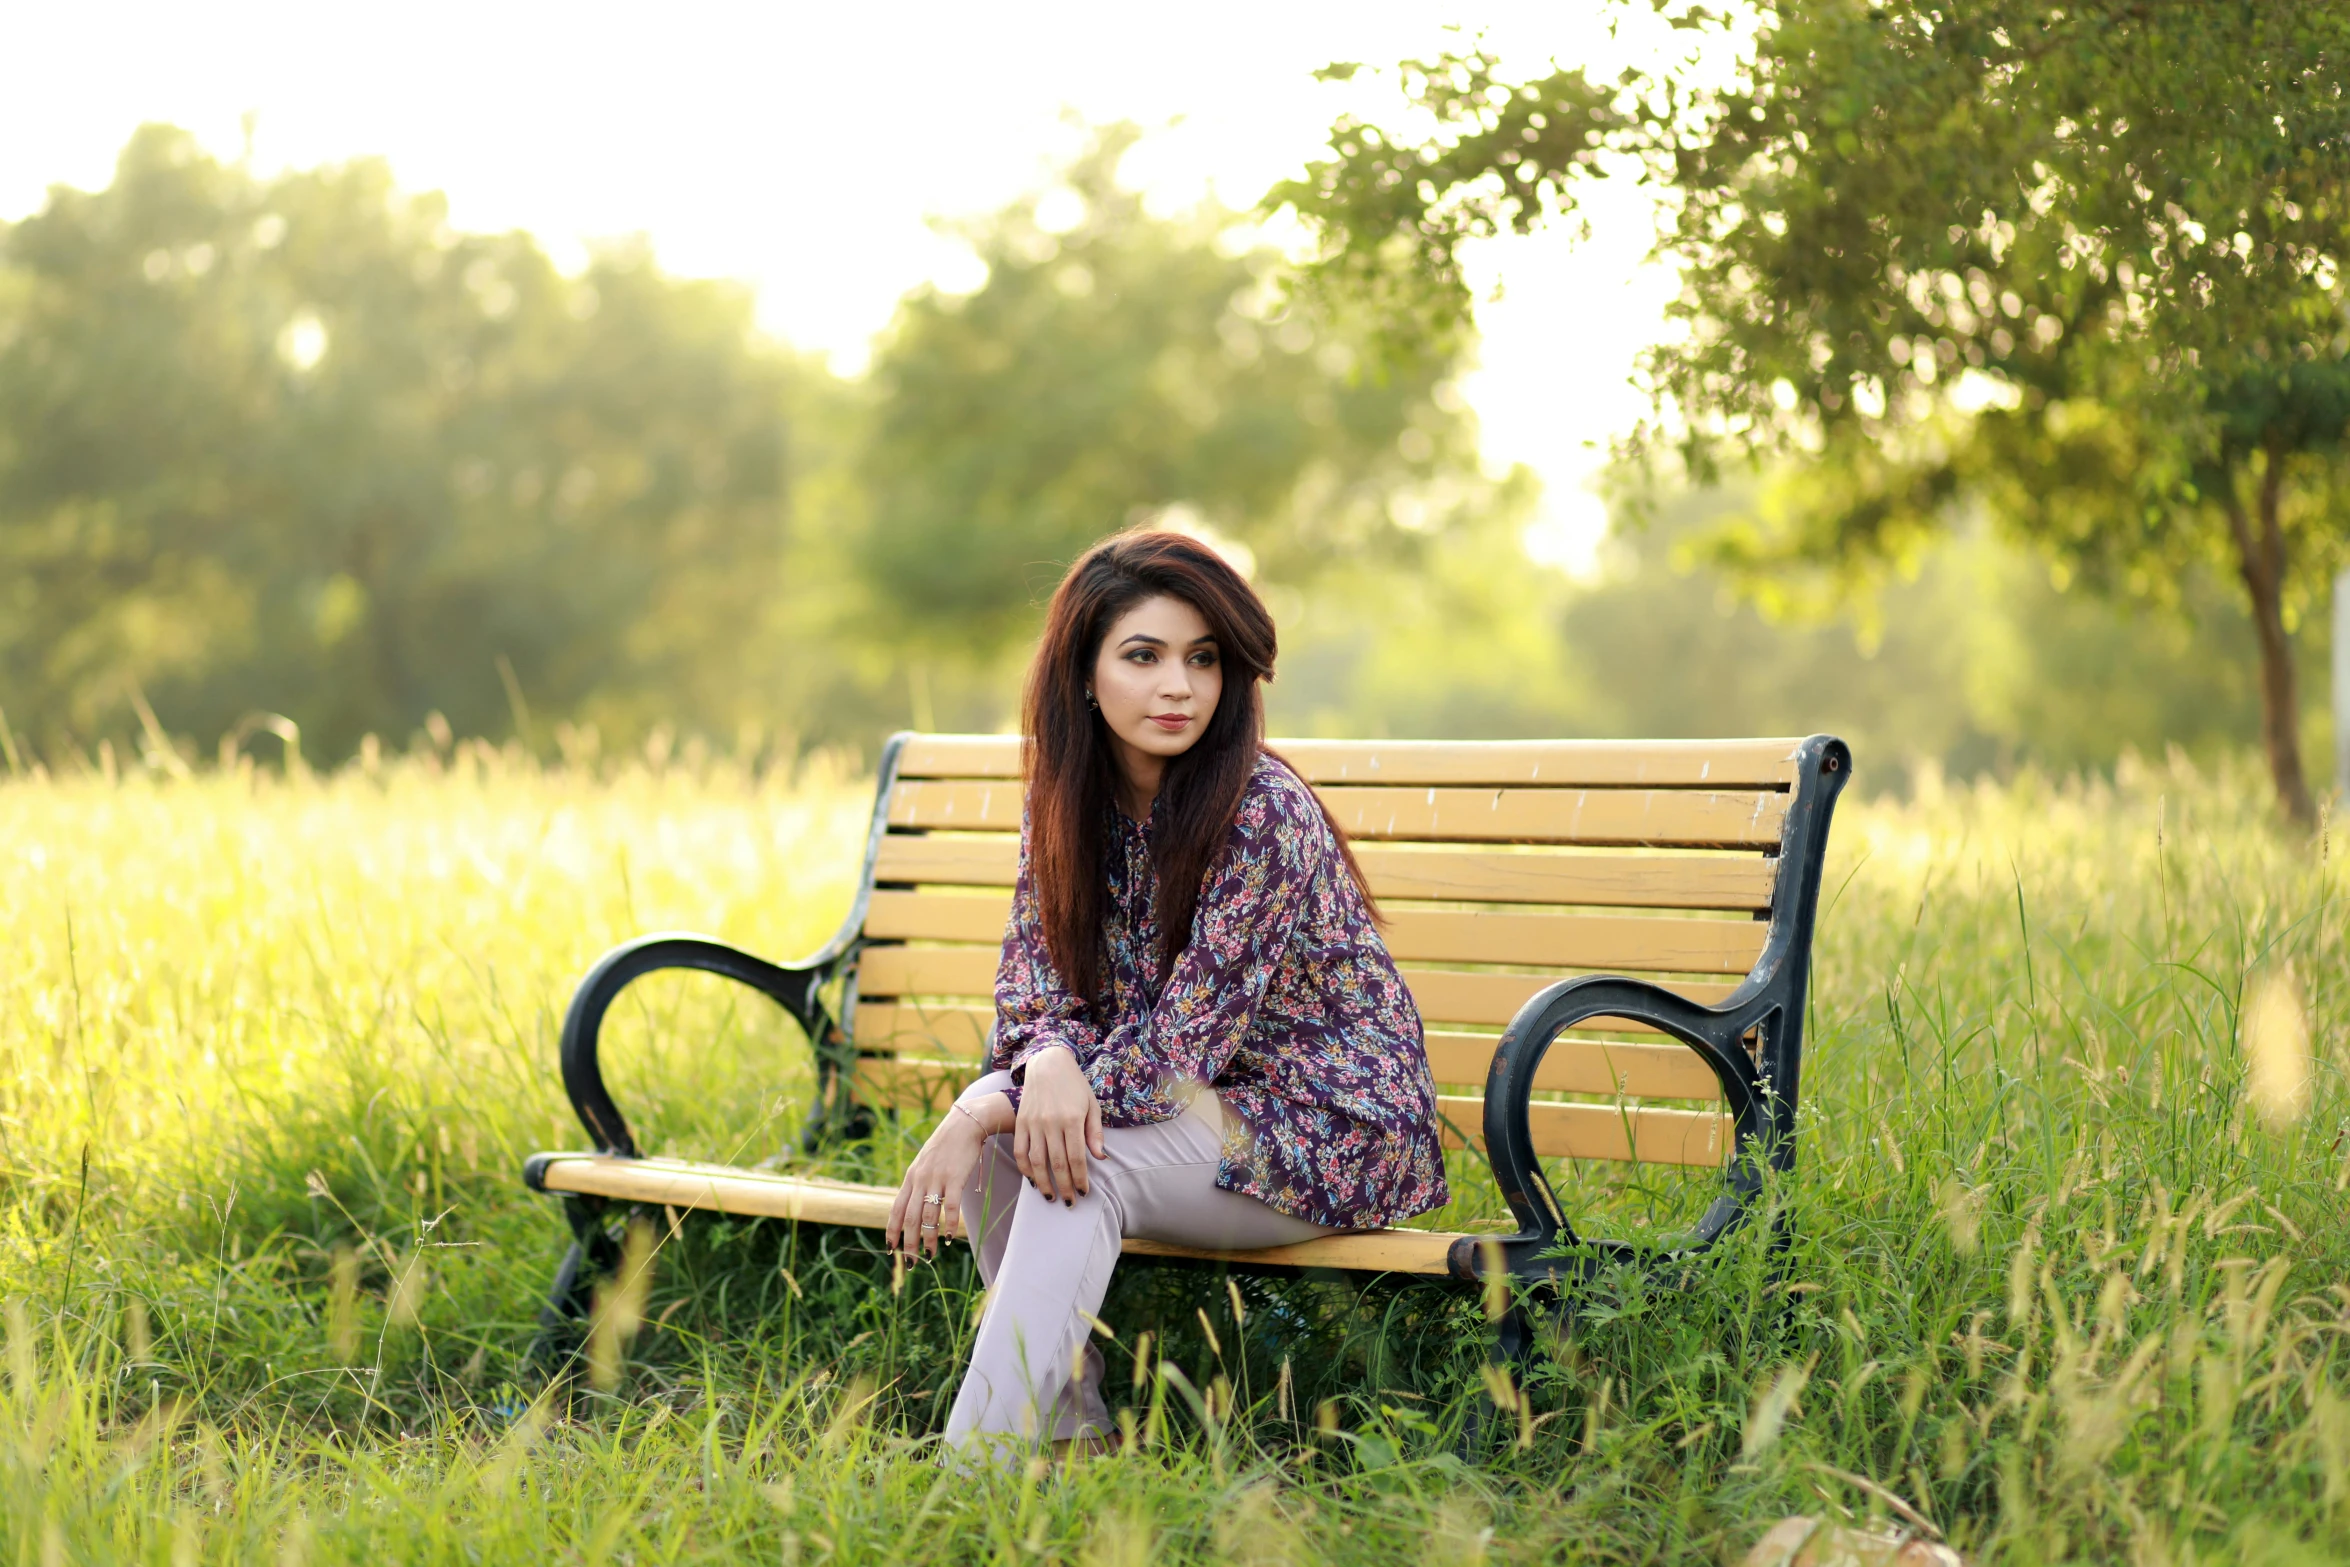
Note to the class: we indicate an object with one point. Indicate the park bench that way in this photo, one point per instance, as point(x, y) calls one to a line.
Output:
point(1523, 882)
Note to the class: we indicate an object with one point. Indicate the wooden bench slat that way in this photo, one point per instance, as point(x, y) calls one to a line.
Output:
point(1572, 1065)
point(1730, 764)
point(954, 1031)
point(1583, 1066)
point(1620, 881)
point(1583, 941)
point(1650, 817)
point(1442, 995)
point(1438, 875)
point(1601, 817)
point(1644, 1134)
point(1456, 996)
point(678, 1183)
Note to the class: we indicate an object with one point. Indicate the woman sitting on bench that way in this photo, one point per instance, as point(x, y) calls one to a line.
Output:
point(1200, 1038)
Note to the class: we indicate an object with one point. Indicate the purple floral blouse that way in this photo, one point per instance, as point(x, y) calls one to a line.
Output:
point(1285, 1001)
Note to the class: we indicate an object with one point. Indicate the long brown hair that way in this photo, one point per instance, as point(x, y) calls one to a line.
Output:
point(1072, 773)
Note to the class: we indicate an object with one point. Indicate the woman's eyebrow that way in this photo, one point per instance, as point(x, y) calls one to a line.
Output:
point(1144, 636)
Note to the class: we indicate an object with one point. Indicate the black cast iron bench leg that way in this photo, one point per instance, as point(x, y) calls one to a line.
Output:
point(594, 1252)
point(1546, 1254)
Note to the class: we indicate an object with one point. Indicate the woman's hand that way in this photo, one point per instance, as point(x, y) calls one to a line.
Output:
point(1060, 1122)
point(941, 1171)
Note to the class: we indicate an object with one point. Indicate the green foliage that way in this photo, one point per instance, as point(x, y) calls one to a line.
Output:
point(1129, 368)
point(2054, 1281)
point(1970, 659)
point(2082, 268)
point(296, 445)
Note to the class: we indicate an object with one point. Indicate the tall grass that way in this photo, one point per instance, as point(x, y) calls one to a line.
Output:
point(2068, 1279)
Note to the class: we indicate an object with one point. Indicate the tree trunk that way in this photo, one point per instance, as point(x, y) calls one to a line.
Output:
point(2260, 559)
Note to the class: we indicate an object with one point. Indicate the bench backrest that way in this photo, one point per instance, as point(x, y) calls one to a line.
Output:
point(1501, 867)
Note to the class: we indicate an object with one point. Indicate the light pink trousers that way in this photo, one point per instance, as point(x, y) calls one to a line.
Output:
point(1035, 1371)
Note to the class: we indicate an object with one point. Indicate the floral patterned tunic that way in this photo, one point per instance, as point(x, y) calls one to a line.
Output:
point(1286, 1002)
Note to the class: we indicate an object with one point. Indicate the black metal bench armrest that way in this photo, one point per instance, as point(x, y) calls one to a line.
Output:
point(794, 988)
point(1759, 1089)
point(1716, 1034)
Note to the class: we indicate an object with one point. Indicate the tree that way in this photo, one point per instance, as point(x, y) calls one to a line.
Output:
point(295, 444)
point(2080, 266)
point(1130, 367)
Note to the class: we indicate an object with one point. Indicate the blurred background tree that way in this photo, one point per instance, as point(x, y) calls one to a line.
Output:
point(295, 445)
point(1120, 369)
point(2077, 271)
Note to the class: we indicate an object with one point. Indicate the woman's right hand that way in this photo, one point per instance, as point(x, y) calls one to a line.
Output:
point(1060, 1122)
point(942, 1170)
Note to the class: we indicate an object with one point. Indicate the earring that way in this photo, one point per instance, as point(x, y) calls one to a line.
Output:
point(1090, 702)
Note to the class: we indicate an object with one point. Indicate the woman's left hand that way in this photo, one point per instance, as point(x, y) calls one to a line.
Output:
point(929, 1205)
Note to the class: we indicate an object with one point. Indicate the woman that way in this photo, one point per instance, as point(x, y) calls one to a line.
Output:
point(1200, 1037)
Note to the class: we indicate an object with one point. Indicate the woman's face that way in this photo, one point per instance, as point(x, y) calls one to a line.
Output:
point(1158, 676)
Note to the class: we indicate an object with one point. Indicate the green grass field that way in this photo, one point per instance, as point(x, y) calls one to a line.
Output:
point(2071, 1277)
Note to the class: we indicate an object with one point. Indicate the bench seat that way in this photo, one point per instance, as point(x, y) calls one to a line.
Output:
point(1612, 939)
point(719, 1188)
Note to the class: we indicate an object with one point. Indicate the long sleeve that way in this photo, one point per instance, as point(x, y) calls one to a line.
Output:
point(1284, 1000)
point(1034, 1007)
point(1146, 1069)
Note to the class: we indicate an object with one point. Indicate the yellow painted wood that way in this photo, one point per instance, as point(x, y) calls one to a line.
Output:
point(718, 1188)
point(1600, 817)
point(1611, 943)
point(993, 861)
point(1643, 1134)
point(1443, 995)
point(938, 916)
point(1685, 818)
point(960, 756)
point(1357, 1251)
point(1550, 764)
point(927, 971)
point(935, 1032)
point(1457, 996)
point(722, 1189)
point(1620, 881)
point(1608, 943)
point(1626, 881)
point(955, 804)
point(1583, 1066)
point(1720, 764)
point(898, 1083)
point(1575, 1065)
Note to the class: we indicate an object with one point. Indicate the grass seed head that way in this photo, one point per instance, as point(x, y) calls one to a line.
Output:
point(23, 1364)
point(1120, 1538)
point(2275, 1035)
point(1254, 1531)
point(408, 1292)
point(1771, 1408)
point(342, 1305)
point(1962, 1214)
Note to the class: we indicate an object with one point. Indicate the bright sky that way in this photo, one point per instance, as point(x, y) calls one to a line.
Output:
point(803, 148)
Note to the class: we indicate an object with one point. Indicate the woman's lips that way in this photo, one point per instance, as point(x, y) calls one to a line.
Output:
point(1173, 723)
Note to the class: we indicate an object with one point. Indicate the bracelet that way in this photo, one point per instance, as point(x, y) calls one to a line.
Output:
point(975, 1121)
